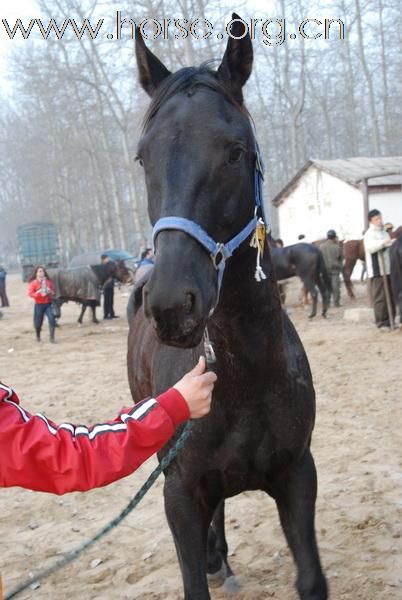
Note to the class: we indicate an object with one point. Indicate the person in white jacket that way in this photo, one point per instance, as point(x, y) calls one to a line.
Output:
point(376, 246)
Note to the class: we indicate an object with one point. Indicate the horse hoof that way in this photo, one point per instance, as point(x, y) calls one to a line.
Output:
point(218, 578)
point(311, 316)
point(231, 585)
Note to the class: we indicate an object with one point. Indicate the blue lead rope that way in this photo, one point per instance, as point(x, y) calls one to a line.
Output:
point(73, 554)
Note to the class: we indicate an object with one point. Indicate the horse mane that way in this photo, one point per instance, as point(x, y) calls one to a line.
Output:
point(101, 269)
point(186, 80)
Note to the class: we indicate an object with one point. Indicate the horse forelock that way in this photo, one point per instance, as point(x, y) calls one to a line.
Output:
point(187, 80)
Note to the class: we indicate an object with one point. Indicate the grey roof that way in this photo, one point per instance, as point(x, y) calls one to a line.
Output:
point(378, 170)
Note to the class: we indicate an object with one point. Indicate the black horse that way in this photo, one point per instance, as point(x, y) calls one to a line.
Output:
point(199, 155)
point(83, 284)
point(396, 274)
point(305, 261)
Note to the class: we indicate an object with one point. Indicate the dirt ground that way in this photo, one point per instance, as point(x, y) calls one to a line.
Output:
point(357, 447)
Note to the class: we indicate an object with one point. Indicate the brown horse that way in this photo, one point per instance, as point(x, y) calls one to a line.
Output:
point(395, 233)
point(353, 250)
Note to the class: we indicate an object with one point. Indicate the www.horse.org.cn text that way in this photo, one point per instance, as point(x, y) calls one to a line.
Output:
point(269, 31)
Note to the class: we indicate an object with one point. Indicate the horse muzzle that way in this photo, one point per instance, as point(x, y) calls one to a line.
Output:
point(177, 319)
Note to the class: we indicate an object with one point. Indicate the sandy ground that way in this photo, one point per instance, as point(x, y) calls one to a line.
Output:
point(357, 448)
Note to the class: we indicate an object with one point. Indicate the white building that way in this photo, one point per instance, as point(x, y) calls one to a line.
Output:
point(337, 194)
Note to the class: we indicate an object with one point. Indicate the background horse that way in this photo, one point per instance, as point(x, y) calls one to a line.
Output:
point(84, 284)
point(353, 250)
point(395, 233)
point(199, 154)
point(396, 274)
point(307, 262)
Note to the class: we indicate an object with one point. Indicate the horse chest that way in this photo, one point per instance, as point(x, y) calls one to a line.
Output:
point(246, 456)
point(251, 463)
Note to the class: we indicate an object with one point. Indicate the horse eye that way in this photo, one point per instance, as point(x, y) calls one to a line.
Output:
point(139, 159)
point(235, 155)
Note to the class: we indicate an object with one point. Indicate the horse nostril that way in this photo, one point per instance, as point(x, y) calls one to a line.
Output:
point(145, 301)
point(188, 303)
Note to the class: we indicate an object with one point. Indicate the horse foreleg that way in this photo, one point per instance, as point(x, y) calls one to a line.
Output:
point(94, 319)
point(346, 273)
point(325, 295)
point(303, 298)
point(310, 286)
point(83, 308)
point(295, 497)
point(189, 526)
point(219, 571)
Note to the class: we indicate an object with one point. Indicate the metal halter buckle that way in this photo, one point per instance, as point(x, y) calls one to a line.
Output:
point(219, 254)
point(209, 350)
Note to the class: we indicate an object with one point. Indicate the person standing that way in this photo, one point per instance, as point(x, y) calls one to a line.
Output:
point(146, 264)
point(42, 291)
point(3, 293)
point(333, 259)
point(108, 293)
point(376, 246)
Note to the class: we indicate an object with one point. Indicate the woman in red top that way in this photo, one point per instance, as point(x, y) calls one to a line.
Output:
point(42, 291)
point(38, 455)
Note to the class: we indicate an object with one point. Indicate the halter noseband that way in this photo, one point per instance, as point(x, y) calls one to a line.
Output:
point(218, 251)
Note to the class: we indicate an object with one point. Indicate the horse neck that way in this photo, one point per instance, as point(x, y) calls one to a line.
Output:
point(103, 272)
point(249, 312)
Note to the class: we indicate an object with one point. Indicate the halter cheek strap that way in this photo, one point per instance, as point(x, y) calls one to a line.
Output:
point(218, 251)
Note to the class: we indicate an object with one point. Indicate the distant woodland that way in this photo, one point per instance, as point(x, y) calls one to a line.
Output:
point(71, 111)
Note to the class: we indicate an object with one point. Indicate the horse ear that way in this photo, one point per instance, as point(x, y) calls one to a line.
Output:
point(151, 71)
point(237, 61)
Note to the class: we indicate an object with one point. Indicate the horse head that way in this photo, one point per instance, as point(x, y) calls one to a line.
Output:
point(112, 268)
point(122, 273)
point(198, 153)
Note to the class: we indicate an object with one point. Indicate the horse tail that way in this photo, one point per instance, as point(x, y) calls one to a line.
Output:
point(396, 273)
point(323, 273)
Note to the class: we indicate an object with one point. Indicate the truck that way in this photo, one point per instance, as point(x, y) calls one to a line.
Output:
point(38, 245)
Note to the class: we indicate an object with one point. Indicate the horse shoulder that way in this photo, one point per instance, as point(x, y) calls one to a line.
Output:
point(141, 348)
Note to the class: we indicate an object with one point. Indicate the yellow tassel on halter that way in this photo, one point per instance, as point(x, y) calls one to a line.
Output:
point(258, 241)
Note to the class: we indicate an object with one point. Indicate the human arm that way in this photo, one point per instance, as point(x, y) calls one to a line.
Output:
point(50, 288)
point(34, 289)
point(373, 244)
point(340, 257)
point(39, 455)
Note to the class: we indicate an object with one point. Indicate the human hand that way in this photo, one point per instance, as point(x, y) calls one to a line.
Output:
point(196, 388)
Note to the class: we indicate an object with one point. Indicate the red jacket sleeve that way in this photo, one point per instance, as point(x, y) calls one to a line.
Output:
point(39, 455)
point(33, 288)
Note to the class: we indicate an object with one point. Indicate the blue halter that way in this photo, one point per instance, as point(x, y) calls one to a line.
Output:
point(218, 251)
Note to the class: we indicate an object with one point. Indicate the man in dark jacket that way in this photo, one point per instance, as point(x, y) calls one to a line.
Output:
point(3, 293)
point(108, 293)
point(333, 259)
